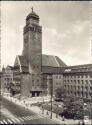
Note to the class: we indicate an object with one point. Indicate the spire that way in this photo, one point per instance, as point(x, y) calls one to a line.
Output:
point(32, 15)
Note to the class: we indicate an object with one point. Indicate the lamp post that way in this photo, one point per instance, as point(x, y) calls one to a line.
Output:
point(84, 108)
point(50, 89)
point(91, 112)
point(91, 109)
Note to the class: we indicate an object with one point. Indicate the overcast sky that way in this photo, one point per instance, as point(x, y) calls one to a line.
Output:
point(65, 29)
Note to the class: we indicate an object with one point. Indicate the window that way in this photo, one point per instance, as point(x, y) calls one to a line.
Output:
point(33, 81)
point(81, 76)
point(86, 88)
point(56, 77)
point(82, 87)
point(82, 81)
point(78, 76)
point(78, 82)
point(86, 81)
point(86, 75)
point(90, 81)
point(78, 87)
point(37, 80)
point(59, 77)
point(91, 88)
point(75, 81)
point(90, 75)
point(68, 81)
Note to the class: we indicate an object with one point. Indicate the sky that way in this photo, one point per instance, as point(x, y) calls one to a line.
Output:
point(65, 29)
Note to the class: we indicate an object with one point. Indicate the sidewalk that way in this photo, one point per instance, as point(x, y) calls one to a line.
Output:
point(28, 105)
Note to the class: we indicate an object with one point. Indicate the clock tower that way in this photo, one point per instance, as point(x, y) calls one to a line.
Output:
point(32, 45)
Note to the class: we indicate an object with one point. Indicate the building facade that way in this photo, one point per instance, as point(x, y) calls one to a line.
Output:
point(7, 79)
point(78, 81)
point(28, 66)
point(34, 72)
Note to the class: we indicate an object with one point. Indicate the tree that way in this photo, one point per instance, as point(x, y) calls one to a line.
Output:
point(74, 109)
point(60, 92)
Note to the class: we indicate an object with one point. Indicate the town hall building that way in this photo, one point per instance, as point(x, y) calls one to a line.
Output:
point(28, 67)
point(35, 73)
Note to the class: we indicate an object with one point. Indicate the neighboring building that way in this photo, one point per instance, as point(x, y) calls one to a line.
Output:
point(7, 78)
point(78, 81)
point(36, 73)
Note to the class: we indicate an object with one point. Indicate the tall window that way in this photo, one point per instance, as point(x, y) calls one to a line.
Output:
point(78, 81)
point(90, 81)
point(82, 81)
point(86, 81)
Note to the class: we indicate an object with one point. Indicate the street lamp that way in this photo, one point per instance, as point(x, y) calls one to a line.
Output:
point(91, 109)
point(91, 112)
point(84, 108)
point(50, 89)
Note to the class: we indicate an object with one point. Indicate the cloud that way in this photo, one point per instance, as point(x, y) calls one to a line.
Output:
point(71, 45)
point(65, 29)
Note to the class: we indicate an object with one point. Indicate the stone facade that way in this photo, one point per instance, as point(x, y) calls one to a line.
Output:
point(32, 49)
point(57, 82)
point(78, 82)
point(38, 73)
point(28, 67)
point(7, 79)
point(25, 84)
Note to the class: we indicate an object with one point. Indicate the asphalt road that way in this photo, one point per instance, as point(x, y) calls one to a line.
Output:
point(13, 114)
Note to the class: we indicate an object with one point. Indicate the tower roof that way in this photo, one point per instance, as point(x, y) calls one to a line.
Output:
point(32, 15)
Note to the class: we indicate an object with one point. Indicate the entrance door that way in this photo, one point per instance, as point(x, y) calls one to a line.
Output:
point(33, 94)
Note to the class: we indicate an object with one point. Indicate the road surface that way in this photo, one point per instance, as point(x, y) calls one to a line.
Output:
point(11, 113)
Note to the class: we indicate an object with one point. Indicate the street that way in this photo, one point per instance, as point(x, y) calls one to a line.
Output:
point(11, 113)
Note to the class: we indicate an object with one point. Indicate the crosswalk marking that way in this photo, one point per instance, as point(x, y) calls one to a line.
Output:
point(19, 119)
point(24, 117)
point(5, 122)
point(14, 120)
point(9, 121)
point(27, 118)
point(31, 118)
point(1, 122)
